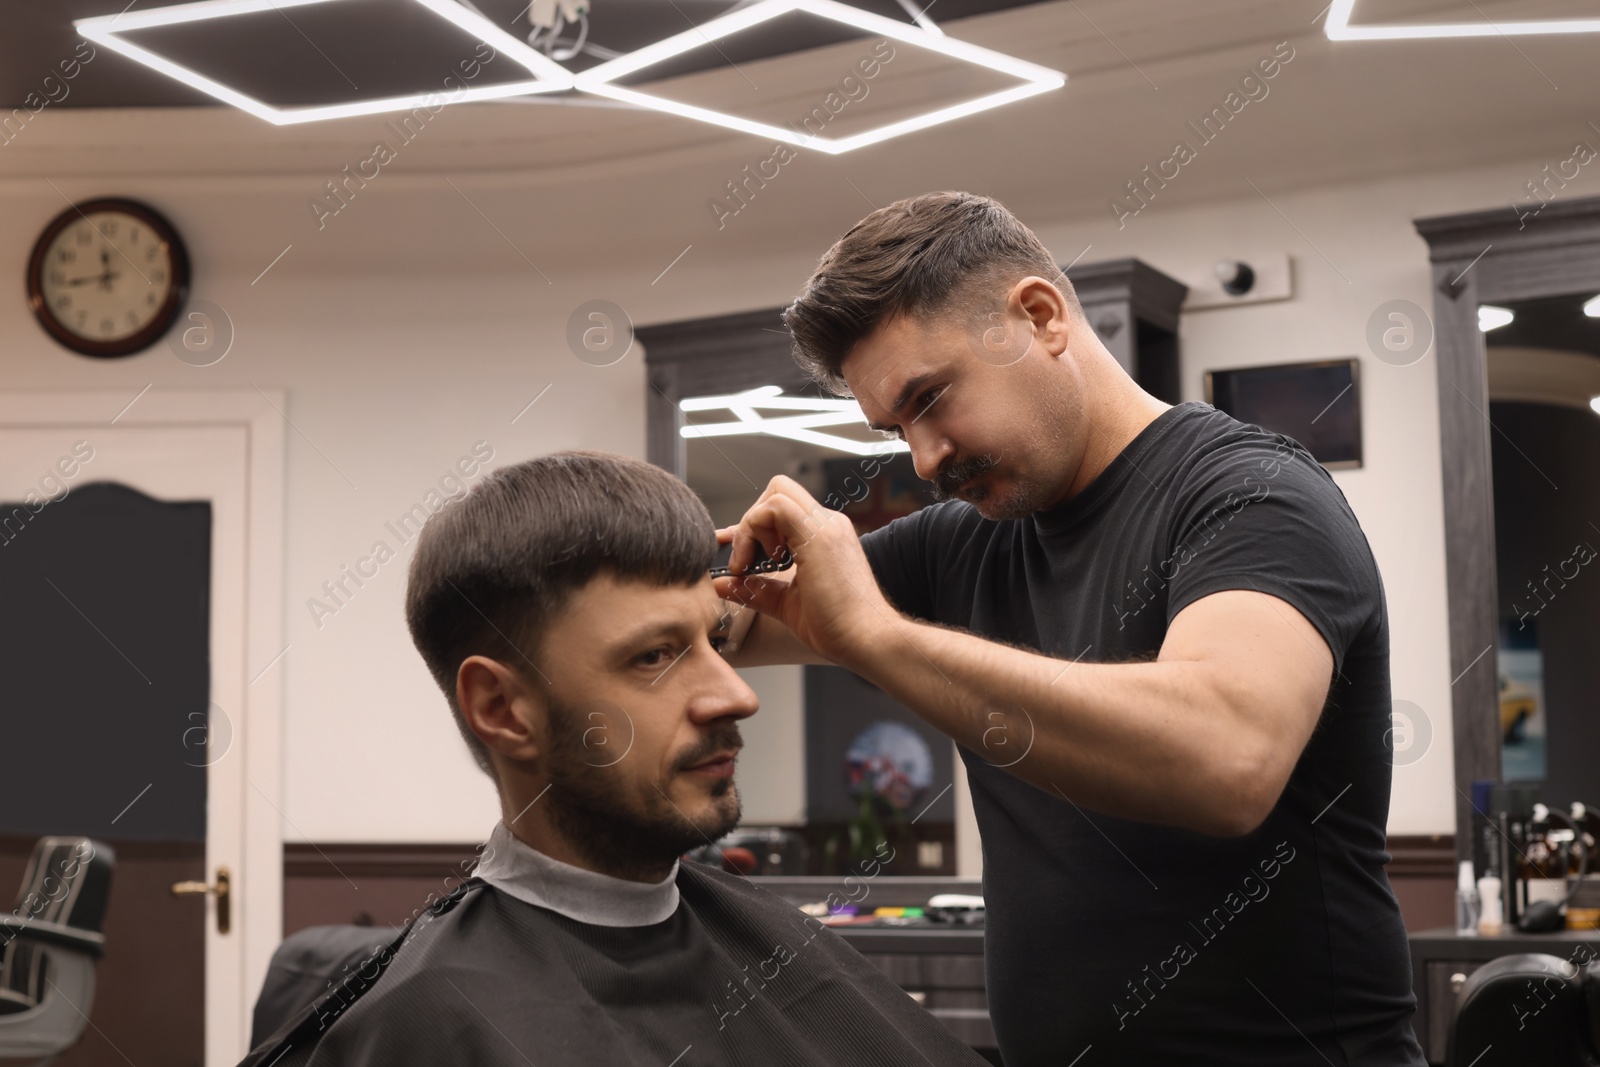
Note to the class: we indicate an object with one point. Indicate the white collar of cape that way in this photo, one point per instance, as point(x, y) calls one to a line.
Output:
point(521, 871)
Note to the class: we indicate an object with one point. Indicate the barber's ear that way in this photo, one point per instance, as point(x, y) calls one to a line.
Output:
point(500, 707)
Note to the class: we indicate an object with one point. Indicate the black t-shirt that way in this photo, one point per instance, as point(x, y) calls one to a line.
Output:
point(1131, 943)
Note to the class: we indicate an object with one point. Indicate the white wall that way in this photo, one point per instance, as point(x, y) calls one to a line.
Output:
point(391, 376)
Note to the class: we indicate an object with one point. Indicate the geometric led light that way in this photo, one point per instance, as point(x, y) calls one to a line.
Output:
point(1034, 79)
point(1338, 28)
point(802, 427)
point(1492, 318)
point(545, 75)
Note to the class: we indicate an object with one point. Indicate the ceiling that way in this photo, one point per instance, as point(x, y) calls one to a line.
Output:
point(612, 191)
point(364, 49)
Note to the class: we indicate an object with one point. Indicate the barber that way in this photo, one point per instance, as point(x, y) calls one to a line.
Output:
point(1157, 635)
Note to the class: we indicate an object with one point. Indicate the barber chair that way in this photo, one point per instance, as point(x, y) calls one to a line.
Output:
point(306, 965)
point(51, 942)
point(1530, 1009)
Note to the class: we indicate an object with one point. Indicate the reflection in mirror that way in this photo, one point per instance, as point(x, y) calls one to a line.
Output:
point(834, 774)
point(1544, 371)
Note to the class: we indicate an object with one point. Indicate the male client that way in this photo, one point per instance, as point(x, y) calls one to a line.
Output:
point(564, 607)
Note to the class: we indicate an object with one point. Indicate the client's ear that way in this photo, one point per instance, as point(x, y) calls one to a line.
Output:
point(499, 707)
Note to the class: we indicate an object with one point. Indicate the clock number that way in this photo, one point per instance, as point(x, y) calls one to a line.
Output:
point(110, 229)
point(133, 319)
point(65, 255)
point(150, 253)
point(133, 235)
point(85, 235)
point(56, 277)
point(83, 317)
point(106, 325)
point(158, 276)
point(149, 299)
point(63, 303)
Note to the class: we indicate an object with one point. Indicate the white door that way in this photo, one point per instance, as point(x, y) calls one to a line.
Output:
point(223, 450)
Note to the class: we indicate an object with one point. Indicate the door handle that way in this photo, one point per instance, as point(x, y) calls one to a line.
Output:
point(219, 890)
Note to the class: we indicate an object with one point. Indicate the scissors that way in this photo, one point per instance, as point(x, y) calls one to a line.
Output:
point(766, 566)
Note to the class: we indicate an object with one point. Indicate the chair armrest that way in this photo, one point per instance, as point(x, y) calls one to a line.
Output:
point(49, 933)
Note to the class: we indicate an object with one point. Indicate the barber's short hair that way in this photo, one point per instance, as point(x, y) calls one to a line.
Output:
point(496, 567)
point(939, 255)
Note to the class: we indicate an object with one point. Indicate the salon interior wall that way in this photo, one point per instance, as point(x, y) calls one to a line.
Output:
point(396, 367)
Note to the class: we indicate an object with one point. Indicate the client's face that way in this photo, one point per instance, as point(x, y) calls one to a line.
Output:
point(642, 726)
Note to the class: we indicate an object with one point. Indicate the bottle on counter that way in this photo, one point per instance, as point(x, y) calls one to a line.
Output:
point(1542, 865)
point(1490, 920)
point(1583, 913)
point(1466, 902)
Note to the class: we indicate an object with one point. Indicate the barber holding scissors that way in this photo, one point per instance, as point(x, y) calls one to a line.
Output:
point(1158, 636)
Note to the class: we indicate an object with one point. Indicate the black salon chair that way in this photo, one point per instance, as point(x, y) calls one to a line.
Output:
point(1518, 1011)
point(308, 964)
point(51, 941)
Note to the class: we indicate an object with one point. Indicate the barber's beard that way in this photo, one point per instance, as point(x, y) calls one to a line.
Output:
point(1021, 497)
point(949, 480)
point(1016, 501)
point(589, 806)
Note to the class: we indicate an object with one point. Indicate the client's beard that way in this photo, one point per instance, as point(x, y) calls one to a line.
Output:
point(595, 819)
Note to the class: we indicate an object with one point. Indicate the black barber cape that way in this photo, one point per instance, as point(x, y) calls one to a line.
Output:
point(735, 976)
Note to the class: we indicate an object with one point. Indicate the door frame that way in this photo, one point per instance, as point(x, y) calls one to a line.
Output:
point(1486, 257)
point(258, 881)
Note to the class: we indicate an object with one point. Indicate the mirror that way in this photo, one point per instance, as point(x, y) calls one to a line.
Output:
point(830, 758)
point(1543, 359)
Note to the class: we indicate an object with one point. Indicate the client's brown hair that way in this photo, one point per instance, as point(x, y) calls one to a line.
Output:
point(494, 568)
point(943, 255)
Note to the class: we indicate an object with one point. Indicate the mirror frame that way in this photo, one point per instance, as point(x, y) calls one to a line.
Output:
point(1486, 257)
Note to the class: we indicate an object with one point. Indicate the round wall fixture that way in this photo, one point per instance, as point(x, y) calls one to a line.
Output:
point(108, 277)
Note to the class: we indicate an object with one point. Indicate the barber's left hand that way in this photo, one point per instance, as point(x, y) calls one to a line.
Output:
point(830, 599)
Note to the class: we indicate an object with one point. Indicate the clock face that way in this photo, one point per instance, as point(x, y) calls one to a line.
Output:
point(107, 278)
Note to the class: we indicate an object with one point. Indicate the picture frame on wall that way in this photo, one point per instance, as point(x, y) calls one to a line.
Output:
point(1318, 403)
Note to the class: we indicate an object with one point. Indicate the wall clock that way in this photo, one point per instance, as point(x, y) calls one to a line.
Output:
point(108, 277)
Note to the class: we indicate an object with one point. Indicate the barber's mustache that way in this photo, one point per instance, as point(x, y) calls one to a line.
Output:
point(956, 474)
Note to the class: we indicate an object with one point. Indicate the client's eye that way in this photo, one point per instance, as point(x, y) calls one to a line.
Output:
point(656, 657)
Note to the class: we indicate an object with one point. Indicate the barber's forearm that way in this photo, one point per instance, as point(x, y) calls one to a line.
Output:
point(1153, 741)
point(767, 642)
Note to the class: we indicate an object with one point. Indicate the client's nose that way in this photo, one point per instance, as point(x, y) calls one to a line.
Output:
point(725, 695)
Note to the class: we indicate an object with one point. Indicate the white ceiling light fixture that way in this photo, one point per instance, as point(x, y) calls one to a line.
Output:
point(1591, 307)
point(1035, 79)
point(1594, 402)
point(547, 75)
point(1337, 27)
point(1492, 318)
point(817, 412)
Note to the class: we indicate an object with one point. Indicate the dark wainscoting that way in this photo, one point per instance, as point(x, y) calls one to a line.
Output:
point(1423, 873)
point(384, 885)
point(367, 885)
